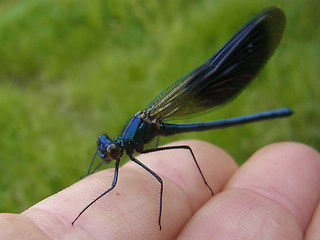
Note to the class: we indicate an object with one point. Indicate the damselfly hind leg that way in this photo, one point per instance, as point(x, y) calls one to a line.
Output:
point(159, 179)
point(192, 154)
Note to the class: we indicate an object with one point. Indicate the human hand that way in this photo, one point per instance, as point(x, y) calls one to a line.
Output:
point(274, 195)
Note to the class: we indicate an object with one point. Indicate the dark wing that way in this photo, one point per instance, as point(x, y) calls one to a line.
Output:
point(224, 75)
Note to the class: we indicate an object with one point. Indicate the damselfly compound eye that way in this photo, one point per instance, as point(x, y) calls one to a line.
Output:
point(113, 152)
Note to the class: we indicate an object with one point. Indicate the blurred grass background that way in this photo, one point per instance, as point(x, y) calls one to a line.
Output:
point(73, 69)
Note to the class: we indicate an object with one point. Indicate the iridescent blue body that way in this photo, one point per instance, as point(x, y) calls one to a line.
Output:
point(215, 82)
point(140, 130)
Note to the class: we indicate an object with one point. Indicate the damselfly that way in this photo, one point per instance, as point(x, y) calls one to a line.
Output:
point(213, 83)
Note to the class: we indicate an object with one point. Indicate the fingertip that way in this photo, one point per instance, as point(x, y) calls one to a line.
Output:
point(273, 195)
point(287, 173)
point(290, 151)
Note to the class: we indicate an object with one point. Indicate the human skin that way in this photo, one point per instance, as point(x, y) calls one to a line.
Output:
point(274, 195)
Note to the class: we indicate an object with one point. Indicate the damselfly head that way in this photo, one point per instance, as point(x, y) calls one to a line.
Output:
point(108, 150)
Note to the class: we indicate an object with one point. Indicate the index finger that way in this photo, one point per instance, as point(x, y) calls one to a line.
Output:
point(132, 208)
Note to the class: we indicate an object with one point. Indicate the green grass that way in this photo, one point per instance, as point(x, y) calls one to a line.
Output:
point(71, 70)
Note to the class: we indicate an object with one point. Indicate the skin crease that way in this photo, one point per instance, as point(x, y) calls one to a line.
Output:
point(274, 195)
